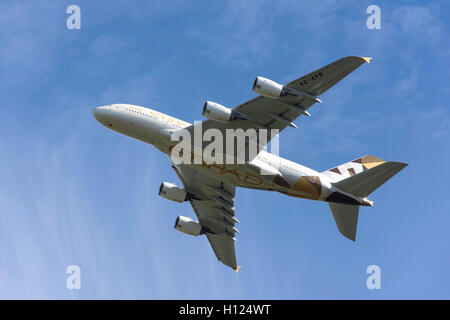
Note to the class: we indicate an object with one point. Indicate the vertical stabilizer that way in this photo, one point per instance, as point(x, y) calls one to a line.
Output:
point(352, 168)
point(346, 218)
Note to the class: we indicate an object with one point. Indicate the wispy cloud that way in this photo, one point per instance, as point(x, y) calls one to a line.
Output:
point(240, 34)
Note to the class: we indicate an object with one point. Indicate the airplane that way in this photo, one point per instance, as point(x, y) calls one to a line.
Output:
point(210, 186)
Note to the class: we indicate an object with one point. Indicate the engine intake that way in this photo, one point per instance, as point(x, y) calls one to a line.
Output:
point(170, 191)
point(188, 226)
point(217, 112)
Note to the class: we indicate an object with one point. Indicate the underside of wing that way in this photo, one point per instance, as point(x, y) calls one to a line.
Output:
point(319, 81)
point(213, 204)
point(273, 113)
point(223, 247)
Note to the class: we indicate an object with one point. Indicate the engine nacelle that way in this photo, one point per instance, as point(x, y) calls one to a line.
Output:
point(216, 112)
point(170, 191)
point(267, 88)
point(188, 226)
point(271, 89)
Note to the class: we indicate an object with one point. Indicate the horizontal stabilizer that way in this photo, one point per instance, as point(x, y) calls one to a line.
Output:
point(366, 182)
point(346, 218)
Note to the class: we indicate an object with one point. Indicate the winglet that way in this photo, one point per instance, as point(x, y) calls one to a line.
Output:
point(237, 269)
point(366, 59)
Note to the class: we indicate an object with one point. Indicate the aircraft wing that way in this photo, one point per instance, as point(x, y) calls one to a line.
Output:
point(213, 203)
point(319, 81)
point(267, 113)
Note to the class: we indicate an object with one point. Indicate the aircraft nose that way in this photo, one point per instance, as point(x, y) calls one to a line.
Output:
point(99, 113)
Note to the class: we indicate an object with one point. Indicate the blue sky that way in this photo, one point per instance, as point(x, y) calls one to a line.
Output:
point(72, 192)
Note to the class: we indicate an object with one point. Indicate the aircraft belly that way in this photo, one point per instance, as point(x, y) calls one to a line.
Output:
point(145, 130)
point(236, 175)
point(305, 186)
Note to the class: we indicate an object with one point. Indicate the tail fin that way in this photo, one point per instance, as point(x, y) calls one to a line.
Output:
point(360, 178)
point(353, 167)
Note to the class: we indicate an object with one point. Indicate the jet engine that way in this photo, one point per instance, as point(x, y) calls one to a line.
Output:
point(217, 112)
point(271, 89)
point(267, 88)
point(170, 191)
point(188, 226)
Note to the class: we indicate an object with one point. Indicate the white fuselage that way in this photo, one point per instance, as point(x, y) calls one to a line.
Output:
point(155, 128)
